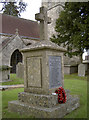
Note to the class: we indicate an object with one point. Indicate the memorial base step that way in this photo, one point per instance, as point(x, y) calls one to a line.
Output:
point(58, 111)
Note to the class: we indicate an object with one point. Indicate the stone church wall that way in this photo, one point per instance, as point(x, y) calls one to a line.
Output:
point(13, 44)
point(10, 54)
point(7, 51)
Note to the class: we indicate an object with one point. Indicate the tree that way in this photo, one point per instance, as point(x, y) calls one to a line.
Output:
point(13, 8)
point(72, 28)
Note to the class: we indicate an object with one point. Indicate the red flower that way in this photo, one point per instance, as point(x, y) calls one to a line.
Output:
point(56, 91)
point(61, 95)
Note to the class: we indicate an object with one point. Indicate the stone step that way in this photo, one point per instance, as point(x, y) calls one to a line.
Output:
point(40, 100)
point(58, 111)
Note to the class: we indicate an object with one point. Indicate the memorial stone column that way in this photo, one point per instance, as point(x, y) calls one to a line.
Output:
point(43, 75)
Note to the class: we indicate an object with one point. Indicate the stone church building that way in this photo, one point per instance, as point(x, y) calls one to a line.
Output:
point(16, 33)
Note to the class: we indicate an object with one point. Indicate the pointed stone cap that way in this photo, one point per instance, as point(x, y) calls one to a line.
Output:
point(17, 31)
point(44, 45)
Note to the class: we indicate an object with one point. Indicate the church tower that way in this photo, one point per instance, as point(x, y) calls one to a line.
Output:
point(54, 9)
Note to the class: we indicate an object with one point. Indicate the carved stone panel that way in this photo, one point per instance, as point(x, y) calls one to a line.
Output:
point(34, 72)
point(55, 71)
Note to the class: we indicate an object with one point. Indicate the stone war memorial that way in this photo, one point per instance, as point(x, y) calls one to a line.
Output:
point(43, 75)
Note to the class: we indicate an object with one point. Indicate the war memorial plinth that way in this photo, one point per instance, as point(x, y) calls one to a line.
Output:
point(43, 75)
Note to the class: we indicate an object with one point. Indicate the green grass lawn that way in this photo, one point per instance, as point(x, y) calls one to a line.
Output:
point(14, 80)
point(10, 95)
point(76, 85)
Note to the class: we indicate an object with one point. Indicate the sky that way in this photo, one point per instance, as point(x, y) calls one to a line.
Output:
point(31, 9)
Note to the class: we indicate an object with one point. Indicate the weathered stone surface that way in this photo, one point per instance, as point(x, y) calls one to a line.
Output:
point(53, 13)
point(38, 73)
point(5, 73)
point(55, 75)
point(58, 111)
point(42, 54)
point(34, 72)
point(69, 69)
point(20, 70)
point(37, 99)
point(82, 69)
point(45, 44)
point(44, 20)
point(15, 42)
point(47, 101)
point(8, 45)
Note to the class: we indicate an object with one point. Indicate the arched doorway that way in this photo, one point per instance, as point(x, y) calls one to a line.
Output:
point(15, 58)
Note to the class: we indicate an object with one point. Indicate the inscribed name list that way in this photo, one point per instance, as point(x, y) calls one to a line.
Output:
point(55, 71)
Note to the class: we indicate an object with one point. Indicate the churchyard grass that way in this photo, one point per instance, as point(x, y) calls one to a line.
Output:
point(74, 76)
point(10, 95)
point(14, 80)
point(76, 85)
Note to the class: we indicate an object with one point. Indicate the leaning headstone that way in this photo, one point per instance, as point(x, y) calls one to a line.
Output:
point(82, 69)
point(5, 73)
point(20, 70)
point(44, 71)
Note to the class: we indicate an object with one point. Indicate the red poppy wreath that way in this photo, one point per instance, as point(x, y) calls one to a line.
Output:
point(61, 95)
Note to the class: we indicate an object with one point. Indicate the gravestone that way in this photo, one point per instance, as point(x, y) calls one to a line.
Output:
point(70, 69)
point(20, 70)
point(86, 63)
point(5, 73)
point(44, 74)
point(82, 69)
